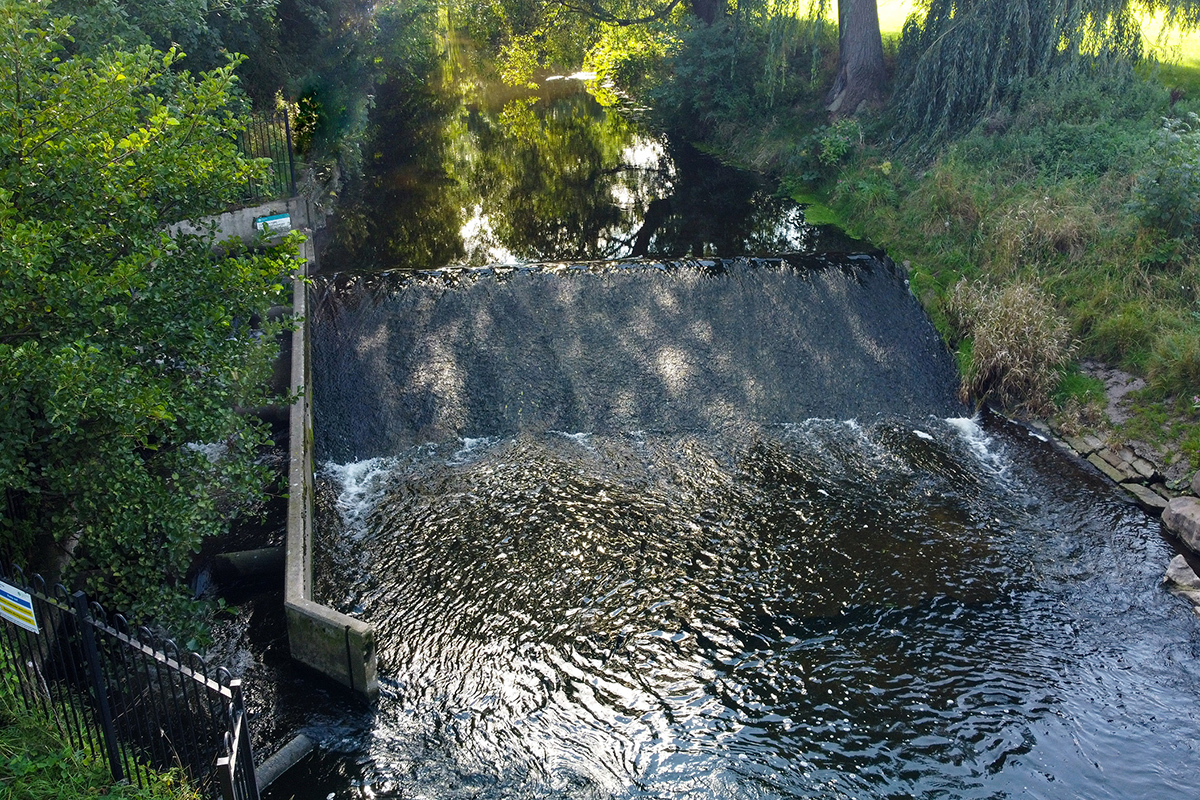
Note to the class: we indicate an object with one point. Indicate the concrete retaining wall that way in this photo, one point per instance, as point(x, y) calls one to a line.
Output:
point(239, 223)
point(335, 644)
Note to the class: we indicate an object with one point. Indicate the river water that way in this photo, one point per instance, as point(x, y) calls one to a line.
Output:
point(707, 527)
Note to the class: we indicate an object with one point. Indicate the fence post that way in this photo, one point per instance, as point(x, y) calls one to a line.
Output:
point(287, 129)
point(98, 686)
point(235, 770)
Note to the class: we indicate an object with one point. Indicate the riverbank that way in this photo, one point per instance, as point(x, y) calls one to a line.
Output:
point(1048, 202)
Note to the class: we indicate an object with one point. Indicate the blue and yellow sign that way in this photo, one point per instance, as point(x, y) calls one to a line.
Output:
point(17, 606)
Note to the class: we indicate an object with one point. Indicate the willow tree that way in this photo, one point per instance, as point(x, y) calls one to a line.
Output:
point(960, 59)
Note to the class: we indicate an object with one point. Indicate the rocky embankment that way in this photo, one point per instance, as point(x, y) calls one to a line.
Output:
point(1157, 481)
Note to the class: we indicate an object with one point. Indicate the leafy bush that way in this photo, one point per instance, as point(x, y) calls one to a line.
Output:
point(1167, 194)
point(1077, 124)
point(732, 73)
point(1018, 344)
point(125, 351)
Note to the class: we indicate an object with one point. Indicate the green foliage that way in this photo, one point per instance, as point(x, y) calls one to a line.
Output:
point(1083, 389)
point(122, 348)
point(625, 58)
point(729, 74)
point(199, 28)
point(1174, 364)
point(327, 58)
point(962, 60)
point(837, 140)
point(1167, 194)
point(37, 763)
point(1082, 124)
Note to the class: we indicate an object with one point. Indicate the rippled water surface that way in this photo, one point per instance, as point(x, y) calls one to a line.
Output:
point(701, 529)
point(819, 609)
point(893, 605)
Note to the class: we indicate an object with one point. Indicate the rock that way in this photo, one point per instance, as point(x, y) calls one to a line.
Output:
point(1147, 499)
point(1182, 580)
point(1161, 489)
point(1093, 444)
point(1182, 518)
point(1196, 484)
point(1112, 458)
point(1102, 465)
point(1143, 468)
point(1078, 444)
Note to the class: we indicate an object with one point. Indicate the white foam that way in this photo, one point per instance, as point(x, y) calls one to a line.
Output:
point(471, 448)
point(979, 444)
point(583, 439)
point(923, 435)
point(362, 485)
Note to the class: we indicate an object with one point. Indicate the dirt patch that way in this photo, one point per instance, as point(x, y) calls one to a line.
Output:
point(1117, 386)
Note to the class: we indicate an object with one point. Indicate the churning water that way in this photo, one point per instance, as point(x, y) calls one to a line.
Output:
point(720, 531)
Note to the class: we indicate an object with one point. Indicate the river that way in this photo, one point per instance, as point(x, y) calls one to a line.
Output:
point(703, 521)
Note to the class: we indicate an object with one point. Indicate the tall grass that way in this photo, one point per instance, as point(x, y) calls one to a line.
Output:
point(37, 763)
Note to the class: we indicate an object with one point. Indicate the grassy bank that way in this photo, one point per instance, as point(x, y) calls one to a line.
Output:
point(1060, 230)
point(37, 763)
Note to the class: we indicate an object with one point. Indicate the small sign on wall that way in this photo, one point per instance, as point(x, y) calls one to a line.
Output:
point(17, 606)
point(276, 223)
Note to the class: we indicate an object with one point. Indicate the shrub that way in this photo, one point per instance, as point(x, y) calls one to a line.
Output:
point(1174, 364)
point(1019, 344)
point(1167, 193)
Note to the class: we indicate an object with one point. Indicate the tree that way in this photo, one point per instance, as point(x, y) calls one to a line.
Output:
point(861, 74)
point(124, 351)
point(963, 58)
point(199, 27)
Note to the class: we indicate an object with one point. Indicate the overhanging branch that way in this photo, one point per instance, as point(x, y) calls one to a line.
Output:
point(594, 9)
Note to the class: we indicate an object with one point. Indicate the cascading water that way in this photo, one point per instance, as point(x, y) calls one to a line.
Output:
point(696, 529)
point(406, 359)
point(720, 531)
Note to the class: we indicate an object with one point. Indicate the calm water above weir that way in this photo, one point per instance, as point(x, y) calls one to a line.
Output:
point(711, 530)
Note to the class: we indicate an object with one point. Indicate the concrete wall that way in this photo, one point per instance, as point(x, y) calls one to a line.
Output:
point(335, 644)
point(240, 223)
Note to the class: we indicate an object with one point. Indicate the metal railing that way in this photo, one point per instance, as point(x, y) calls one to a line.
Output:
point(270, 136)
point(138, 702)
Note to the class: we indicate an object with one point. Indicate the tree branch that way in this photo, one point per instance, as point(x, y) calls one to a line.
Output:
point(594, 9)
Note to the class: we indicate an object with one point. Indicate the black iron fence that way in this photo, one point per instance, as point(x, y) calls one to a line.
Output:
point(128, 697)
point(270, 136)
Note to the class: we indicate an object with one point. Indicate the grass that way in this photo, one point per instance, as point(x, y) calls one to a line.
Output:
point(1044, 198)
point(1044, 194)
point(37, 763)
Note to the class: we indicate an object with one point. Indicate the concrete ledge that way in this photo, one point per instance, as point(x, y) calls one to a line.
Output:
point(239, 224)
point(330, 642)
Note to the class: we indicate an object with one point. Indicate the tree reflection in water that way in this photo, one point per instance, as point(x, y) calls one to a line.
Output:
point(502, 175)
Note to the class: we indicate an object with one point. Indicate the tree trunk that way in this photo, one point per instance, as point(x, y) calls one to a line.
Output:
point(861, 74)
point(708, 10)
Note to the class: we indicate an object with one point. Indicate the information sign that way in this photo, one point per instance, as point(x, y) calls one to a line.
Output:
point(17, 606)
point(274, 224)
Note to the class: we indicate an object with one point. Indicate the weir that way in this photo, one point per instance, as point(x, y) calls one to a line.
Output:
point(708, 528)
point(677, 346)
point(335, 644)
